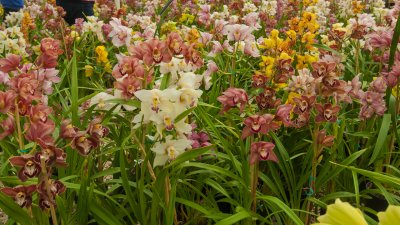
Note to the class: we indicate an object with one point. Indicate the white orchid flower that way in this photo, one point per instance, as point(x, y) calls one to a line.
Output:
point(169, 150)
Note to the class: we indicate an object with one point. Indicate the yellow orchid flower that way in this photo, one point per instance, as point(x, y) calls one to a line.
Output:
point(310, 58)
point(267, 61)
point(394, 91)
point(291, 34)
point(291, 96)
point(274, 34)
point(342, 213)
point(102, 54)
point(309, 17)
point(279, 86)
point(390, 216)
point(284, 56)
point(308, 38)
point(268, 44)
point(301, 62)
point(88, 70)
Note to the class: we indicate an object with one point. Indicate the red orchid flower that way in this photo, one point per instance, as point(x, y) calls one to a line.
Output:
point(22, 194)
point(326, 113)
point(7, 101)
point(233, 97)
point(262, 151)
point(259, 124)
point(29, 167)
point(83, 143)
point(10, 63)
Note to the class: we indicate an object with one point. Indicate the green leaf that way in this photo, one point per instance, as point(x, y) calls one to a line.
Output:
point(328, 173)
point(130, 102)
point(40, 217)
point(335, 195)
point(84, 196)
point(356, 188)
point(74, 91)
point(326, 48)
point(183, 114)
point(217, 187)
point(283, 207)
point(197, 207)
point(381, 140)
point(103, 216)
point(188, 155)
point(374, 175)
point(62, 209)
point(165, 81)
point(395, 41)
point(125, 183)
point(214, 168)
point(234, 218)
point(103, 173)
point(13, 210)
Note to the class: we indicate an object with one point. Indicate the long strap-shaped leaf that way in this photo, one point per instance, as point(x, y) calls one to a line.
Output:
point(161, 14)
point(393, 49)
point(13, 210)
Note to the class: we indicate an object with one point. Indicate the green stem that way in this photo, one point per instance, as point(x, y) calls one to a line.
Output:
point(49, 195)
point(254, 182)
point(17, 120)
point(357, 57)
point(316, 152)
point(232, 81)
point(143, 150)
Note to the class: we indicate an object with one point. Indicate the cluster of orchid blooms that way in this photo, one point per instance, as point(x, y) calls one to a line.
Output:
point(176, 91)
point(26, 118)
point(297, 84)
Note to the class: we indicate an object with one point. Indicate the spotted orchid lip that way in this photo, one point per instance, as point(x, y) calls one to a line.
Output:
point(256, 128)
point(157, 59)
point(264, 154)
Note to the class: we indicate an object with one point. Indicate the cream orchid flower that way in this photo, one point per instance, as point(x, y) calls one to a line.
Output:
point(189, 97)
point(166, 120)
point(183, 66)
point(169, 150)
point(102, 101)
point(152, 101)
point(171, 67)
point(190, 80)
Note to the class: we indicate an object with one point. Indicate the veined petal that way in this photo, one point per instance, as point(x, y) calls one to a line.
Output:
point(342, 213)
point(390, 217)
point(158, 148)
point(182, 144)
point(160, 160)
point(144, 95)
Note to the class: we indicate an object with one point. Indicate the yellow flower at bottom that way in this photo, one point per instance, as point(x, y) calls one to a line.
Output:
point(341, 213)
point(88, 71)
point(390, 217)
